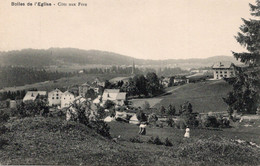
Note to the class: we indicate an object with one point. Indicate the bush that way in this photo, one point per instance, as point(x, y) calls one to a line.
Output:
point(180, 124)
point(190, 119)
point(101, 127)
point(4, 117)
point(3, 142)
point(39, 107)
point(209, 121)
point(171, 110)
point(213, 121)
point(170, 122)
point(155, 141)
point(167, 142)
point(109, 104)
point(141, 116)
point(135, 139)
point(152, 119)
point(3, 129)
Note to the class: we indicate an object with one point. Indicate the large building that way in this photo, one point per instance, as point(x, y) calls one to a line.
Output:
point(83, 89)
point(54, 97)
point(223, 70)
point(67, 99)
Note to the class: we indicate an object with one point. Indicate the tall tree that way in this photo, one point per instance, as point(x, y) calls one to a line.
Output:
point(153, 84)
point(245, 95)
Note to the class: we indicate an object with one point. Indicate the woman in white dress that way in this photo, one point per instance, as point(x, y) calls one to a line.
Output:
point(142, 130)
point(187, 133)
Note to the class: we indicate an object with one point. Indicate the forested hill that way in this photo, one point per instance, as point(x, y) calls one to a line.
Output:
point(16, 76)
point(66, 56)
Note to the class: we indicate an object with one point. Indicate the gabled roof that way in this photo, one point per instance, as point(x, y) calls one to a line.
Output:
point(113, 94)
point(111, 90)
point(121, 96)
point(67, 93)
point(222, 65)
point(32, 95)
point(55, 90)
point(85, 84)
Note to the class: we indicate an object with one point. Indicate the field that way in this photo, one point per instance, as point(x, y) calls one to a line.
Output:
point(63, 82)
point(204, 96)
point(51, 141)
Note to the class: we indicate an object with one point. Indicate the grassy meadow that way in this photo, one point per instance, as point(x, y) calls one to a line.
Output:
point(51, 141)
point(204, 96)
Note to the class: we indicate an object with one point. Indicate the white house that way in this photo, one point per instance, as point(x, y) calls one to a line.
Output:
point(114, 95)
point(223, 70)
point(67, 99)
point(54, 97)
point(32, 95)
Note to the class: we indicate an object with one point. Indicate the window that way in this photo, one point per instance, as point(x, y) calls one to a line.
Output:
point(216, 71)
point(52, 97)
point(225, 72)
point(221, 72)
point(57, 97)
point(57, 94)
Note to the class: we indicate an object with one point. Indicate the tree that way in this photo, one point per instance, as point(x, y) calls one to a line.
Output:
point(141, 116)
point(171, 110)
point(162, 110)
point(153, 84)
point(146, 105)
point(246, 85)
point(109, 104)
point(91, 94)
point(140, 83)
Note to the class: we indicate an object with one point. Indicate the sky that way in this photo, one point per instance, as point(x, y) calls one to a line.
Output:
point(147, 29)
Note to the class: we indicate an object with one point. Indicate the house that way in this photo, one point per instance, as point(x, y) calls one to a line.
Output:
point(165, 82)
point(180, 79)
point(67, 99)
point(97, 82)
point(83, 89)
point(223, 70)
point(114, 95)
point(86, 86)
point(54, 97)
point(31, 96)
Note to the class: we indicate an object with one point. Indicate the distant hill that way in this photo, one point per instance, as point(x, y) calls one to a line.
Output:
point(72, 56)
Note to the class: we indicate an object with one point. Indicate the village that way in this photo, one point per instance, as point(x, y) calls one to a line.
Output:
point(116, 99)
point(130, 83)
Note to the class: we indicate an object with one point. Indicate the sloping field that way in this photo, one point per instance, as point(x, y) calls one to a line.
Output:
point(50, 141)
point(204, 96)
point(62, 82)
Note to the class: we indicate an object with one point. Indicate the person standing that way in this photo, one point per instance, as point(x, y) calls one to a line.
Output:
point(142, 127)
point(187, 133)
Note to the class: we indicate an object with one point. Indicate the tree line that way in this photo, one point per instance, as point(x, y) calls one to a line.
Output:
point(18, 76)
point(140, 85)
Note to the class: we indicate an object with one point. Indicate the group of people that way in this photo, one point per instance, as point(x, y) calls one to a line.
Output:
point(143, 126)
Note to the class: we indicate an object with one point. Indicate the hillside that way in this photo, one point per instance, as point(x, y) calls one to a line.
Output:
point(72, 56)
point(204, 96)
point(51, 141)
